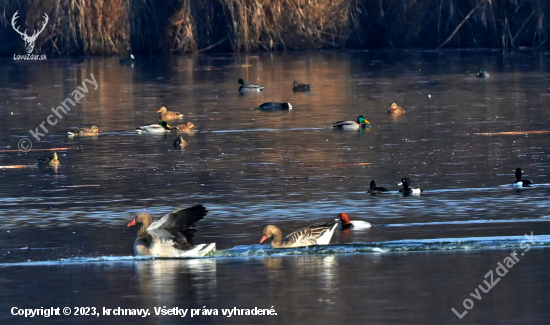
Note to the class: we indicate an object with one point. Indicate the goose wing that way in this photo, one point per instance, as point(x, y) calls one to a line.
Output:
point(309, 235)
point(178, 226)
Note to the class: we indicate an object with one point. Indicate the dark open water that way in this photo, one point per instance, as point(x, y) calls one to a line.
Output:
point(63, 235)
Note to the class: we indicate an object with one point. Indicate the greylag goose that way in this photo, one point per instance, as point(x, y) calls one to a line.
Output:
point(171, 235)
point(347, 223)
point(315, 234)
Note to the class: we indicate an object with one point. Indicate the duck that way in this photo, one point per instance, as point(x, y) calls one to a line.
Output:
point(49, 160)
point(160, 128)
point(482, 74)
point(130, 60)
point(347, 223)
point(521, 182)
point(352, 125)
point(315, 234)
point(250, 88)
point(406, 182)
point(179, 143)
point(172, 235)
point(395, 110)
point(373, 189)
point(300, 87)
point(275, 106)
point(169, 115)
point(185, 127)
point(84, 131)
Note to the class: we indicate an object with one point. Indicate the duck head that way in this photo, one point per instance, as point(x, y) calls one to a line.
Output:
point(344, 218)
point(480, 73)
point(162, 110)
point(241, 82)
point(361, 120)
point(518, 174)
point(165, 125)
point(372, 184)
point(406, 182)
point(143, 218)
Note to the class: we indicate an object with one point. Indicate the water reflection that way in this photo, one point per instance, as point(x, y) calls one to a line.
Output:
point(167, 282)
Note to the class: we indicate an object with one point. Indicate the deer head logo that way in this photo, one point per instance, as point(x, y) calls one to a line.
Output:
point(29, 40)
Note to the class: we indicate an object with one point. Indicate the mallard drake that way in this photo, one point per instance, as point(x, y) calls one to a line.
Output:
point(315, 234)
point(160, 128)
point(179, 143)
point(396, 110)
point(84, 131)
point(352, 125)
point(300, 87)
point(521, 182)
point(171, 235)
point(406, 182)
point(189, 127)
point(251, 88)
point(48, 160)
point(168, 115)
point(376, 189)
point(130, 60)
point(482, 74)
point(275, 106)
point(357, 224)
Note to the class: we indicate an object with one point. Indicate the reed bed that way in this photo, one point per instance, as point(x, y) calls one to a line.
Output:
point(190, 26)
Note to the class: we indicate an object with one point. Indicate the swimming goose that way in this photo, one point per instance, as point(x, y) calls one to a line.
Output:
point(406, 182)
point(521, 182)
point(376, 189)
point(179, 143)
point(275, 106)
point(315, 234)
point(168, 115)
point(84, 131)
point(251, 88)
point(346, 223)
point(171, 235)
point(185, 127)
point(48, 160)
point(160, 128)
point(395, 110)
point(352, 125)
point(300, 87)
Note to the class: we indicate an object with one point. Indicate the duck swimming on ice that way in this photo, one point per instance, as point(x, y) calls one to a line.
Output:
point(352, 125)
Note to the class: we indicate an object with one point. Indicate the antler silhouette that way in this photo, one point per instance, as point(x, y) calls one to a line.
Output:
point(15, 27)
point(43, 26)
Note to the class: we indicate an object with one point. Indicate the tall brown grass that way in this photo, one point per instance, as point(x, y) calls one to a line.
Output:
point(187, 26)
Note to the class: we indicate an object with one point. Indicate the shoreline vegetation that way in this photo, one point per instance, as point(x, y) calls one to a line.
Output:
point(109, 27)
